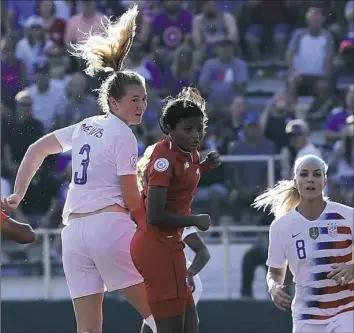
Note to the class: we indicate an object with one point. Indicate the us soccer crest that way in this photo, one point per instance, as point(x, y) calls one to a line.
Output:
point(332, 230)
point(314, 232)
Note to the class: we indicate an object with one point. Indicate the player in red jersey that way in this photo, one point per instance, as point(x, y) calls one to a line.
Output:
point(171, 175)
point(18, 232)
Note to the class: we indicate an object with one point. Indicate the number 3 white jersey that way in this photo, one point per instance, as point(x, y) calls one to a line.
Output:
point(103, 148)
point(310, 248)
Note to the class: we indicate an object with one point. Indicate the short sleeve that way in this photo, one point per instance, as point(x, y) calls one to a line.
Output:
point(188, 231)
point(125, 152)
point(276, 254)
point(65, 137)
point(160, 170)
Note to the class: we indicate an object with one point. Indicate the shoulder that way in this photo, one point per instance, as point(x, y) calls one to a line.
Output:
point(346, 212)
point(282, 223)
point(162, 156)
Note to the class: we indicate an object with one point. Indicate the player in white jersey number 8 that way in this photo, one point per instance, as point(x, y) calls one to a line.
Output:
point(96, 239)
point(315, 237)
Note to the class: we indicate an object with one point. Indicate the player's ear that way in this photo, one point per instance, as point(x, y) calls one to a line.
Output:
point(296, 185)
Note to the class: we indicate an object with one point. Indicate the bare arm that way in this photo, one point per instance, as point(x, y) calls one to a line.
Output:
point(202, 255)
point(33, 159)
point(18, 232)
point(157, 214)
point(275, 277)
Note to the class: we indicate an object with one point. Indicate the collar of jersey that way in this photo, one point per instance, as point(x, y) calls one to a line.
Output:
point(173, 146)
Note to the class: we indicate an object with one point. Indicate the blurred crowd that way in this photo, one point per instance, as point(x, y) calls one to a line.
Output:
point(224, 48)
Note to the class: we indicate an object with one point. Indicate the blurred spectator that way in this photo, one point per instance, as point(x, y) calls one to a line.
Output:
point(299, 145)
point(228, 128)
point(184, 67)
point(170, 26)
point(223, 77)
point(276, 116)
point(81, 23)
point(59, 63)
point(78, 104)
point(342, 161)
point(13, 71)
point(64, 9)
point(248, 178)
point(336, 120)
point(47, 96)
point(6, 188)
point(212, 192)
point(40, 204)
point(18, 11)
point(24, 125)
point(310, 56)
point(151, 115)
point(266, 27)
point(32, 48)
point(212, 26)
point(55, 27)
point(349, 15)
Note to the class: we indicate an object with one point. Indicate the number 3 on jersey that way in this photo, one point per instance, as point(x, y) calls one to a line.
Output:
point(85, 152)
point(300, 248)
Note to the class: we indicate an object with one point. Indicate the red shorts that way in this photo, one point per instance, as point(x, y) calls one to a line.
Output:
point(162, 263)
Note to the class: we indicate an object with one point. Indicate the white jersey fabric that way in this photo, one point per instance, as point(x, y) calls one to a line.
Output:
point(103, 148)
point(310, 248)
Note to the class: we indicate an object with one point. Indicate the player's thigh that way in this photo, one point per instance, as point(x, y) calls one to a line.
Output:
point(81, 274)
point(308, 328)
point(191, 320)
point(136, 296)
point(88, 313)
point(110, 244)
point(173, 324)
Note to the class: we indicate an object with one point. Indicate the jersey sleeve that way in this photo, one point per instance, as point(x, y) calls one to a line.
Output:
point(65, 136)
point(276, 254)
point(125, 152)
point(4, 217)
point(160, 169)
point(188, 231)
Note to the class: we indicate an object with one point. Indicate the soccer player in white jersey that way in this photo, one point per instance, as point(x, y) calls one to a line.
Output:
point(191, 237)
point(315, 237)
point(103, 191)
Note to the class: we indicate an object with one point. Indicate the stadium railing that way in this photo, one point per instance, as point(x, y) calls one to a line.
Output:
point(224, 231)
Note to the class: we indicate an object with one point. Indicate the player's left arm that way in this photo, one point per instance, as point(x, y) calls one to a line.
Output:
point(21, 233)
point(202, 254)
point(211, 162)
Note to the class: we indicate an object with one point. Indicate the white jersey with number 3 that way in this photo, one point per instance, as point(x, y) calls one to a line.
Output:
point(310, 248)
point(103, 148)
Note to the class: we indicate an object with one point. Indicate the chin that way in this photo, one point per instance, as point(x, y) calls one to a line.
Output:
point(312, 196)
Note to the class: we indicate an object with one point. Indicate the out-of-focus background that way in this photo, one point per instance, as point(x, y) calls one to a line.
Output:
point(278, 78)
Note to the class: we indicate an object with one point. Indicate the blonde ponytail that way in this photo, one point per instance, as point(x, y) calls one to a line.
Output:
point(107, 51)
point(280, 199)
point(142, 166)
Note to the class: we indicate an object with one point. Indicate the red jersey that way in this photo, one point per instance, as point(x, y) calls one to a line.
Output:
point(177, 170)
point(4, 217)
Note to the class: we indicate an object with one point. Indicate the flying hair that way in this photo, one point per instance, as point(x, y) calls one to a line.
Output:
point(285, 196)
point(142, 166)
point(189, 102)
point(106, 51)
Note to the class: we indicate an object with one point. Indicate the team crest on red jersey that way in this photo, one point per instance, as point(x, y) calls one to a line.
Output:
point(332, 230)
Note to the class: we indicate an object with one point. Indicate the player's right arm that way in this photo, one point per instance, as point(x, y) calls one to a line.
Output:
point(18, 232)
point(159, 175)
point(277, 264)
point(50, 144)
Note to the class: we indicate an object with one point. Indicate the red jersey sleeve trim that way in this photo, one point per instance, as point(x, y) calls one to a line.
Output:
point(4, 217)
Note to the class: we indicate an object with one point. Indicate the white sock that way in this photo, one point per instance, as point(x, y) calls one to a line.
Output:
point(151, 323)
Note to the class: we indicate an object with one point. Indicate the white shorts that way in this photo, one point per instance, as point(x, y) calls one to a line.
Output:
point(96, 254)
point(342, 323)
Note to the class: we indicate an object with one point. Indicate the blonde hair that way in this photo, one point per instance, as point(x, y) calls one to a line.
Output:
point(285, 196)
point(106, 52)
point(142, 166)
